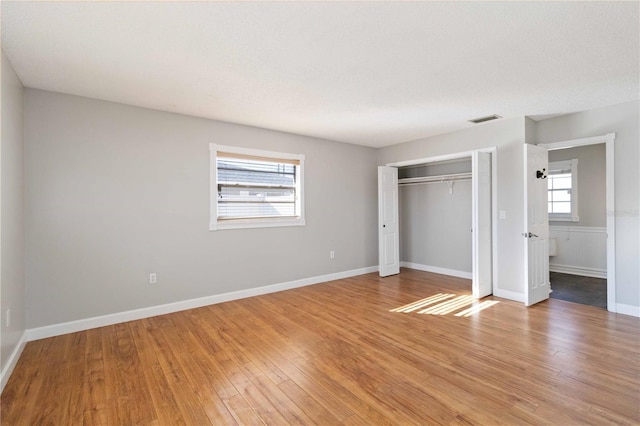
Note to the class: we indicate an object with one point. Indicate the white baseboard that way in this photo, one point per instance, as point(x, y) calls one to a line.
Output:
point(104, 320)
point(510, 295)
point(504, 294)
point(12, 361)
point(577, 270)
point(437, 270)
point(628, 310)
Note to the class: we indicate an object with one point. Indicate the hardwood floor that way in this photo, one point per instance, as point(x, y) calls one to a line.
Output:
point(353, 351)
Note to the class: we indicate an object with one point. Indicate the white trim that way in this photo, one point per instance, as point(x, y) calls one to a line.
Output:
point(215, 225)
point(213, 179)
point(12, 361)
point(456, 156)
point(256, 223)
point(576, 270)
point(437, 270)
point(611, 224)
point(585, 229)
point(608, 140)
point(110, 319)
point(628, 310)
point(255, 152)
point(494, 214)
point(509, 295)
point(571, 143)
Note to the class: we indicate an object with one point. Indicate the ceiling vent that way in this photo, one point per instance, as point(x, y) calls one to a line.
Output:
point(483, 119)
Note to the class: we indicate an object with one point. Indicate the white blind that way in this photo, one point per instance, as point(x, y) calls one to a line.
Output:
point(256, 187)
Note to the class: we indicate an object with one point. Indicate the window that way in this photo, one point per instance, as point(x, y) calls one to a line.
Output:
point(563, 190)
point(254, 189)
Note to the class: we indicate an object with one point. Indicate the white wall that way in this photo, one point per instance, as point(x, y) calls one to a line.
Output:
point(623, 119)
point(115, 192)
point(509, 137)
point(579, 250)
point(12, 262)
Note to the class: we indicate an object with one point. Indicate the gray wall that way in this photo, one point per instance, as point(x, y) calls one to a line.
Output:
point(115, 192)
point(12, 262)
point(623, 119)
point(435, 225)
point(509, 137)
point(591, 184)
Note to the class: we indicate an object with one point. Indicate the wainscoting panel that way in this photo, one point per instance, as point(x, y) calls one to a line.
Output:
point(581, 250)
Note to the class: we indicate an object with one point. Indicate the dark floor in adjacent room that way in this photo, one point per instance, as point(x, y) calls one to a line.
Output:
point(578, 289)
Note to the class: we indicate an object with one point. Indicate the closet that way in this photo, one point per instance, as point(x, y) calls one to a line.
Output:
point(435, 212)
point(436, 215)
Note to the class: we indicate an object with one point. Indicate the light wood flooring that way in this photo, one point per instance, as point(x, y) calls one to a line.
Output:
point(340, 353)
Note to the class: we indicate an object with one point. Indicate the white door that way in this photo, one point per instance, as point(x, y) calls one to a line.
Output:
point(482, 284)
point(388, 232)
point(536, 219)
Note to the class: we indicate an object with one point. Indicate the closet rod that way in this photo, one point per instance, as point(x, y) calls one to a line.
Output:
point(435, 179)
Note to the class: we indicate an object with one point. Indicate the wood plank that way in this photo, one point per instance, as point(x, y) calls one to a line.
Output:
point(338, 353)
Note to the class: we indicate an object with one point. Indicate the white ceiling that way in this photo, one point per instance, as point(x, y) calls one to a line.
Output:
point(369, 73)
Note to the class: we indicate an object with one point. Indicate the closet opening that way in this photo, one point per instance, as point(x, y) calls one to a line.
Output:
point(437, 215)
point(435, 203)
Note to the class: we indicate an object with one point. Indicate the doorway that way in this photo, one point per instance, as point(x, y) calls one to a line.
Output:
point(474, 174)
point(582, 247)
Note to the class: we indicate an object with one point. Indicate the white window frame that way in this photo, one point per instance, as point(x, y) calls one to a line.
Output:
point(215, 224)
point(571, 165)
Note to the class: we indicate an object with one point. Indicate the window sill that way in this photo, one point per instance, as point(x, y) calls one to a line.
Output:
point(254, 223)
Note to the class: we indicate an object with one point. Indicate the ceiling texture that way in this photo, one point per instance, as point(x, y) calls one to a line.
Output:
point(368, 73)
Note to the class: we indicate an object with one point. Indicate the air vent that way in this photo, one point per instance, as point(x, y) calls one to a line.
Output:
point(483, 119)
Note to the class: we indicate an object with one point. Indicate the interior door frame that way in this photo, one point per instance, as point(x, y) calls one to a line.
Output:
point(608, 140)
point(494, 197)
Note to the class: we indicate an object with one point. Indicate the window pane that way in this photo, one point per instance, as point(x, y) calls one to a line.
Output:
point(562, 207)
point(250, 188)
point(560, 189)
point(561, 195)
point(561, 182)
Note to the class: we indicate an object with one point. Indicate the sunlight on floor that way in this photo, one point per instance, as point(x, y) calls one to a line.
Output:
point(443, 304)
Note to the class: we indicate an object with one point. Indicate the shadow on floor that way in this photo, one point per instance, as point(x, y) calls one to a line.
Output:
point(577, 289)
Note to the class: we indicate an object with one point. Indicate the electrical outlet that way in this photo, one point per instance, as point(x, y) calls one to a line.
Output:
point(332, 254)
point(153, 278)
